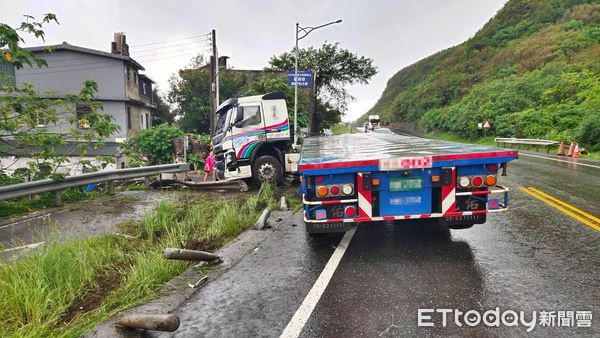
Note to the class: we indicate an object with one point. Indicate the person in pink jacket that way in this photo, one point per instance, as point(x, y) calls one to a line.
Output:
point(209, 166)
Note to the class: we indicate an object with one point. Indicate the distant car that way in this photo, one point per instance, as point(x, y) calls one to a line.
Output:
point(382, 131)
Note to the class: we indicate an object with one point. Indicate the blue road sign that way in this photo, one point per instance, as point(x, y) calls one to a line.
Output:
point(304, 78)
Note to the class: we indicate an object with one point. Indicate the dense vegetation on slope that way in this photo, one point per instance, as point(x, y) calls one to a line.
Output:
point(532, 71)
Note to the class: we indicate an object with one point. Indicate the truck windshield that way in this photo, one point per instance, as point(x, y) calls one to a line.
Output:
point(221, 121)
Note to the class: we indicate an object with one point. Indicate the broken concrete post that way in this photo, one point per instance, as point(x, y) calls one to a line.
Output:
point(262, 220)
point(111, 187)
point(283, 204)
point(156, 322)
point(58, 198)
point(189, 255)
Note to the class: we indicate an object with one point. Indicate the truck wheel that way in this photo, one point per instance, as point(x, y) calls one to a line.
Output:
point(267, 169)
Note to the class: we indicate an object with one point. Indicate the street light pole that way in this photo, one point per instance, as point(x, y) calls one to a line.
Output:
point(295, 145)
point(306, 31)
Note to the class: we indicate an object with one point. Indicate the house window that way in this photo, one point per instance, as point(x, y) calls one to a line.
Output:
point(135, 76)
point(128, 78)
point(144, 88)
point(7, 73)
point(128, 118)
point(81, 110)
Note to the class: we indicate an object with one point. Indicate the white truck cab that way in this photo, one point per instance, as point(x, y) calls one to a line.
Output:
point(252, 138)
point(373, 121)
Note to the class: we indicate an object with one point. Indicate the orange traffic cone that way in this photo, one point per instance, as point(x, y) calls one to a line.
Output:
point(571, 148)
point(577, 151)
point(561, 149)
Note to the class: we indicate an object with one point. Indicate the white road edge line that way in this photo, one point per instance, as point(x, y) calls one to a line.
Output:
point(555, 159)
point(28, 246)
point(294, 327)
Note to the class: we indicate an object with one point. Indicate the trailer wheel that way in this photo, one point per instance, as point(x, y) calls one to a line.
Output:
point(267, 169)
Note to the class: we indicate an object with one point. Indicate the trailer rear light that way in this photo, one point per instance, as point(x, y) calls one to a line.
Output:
point(464, 182)
point(376, 182)
point(477, 181)
point(490, 180)
point(347, 189)
point(322, 191)
point(334, 190)
point(435, 179)
point(492, 167)
point(350, 211)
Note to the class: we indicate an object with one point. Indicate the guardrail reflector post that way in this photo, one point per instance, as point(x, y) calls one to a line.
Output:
point(58, 198)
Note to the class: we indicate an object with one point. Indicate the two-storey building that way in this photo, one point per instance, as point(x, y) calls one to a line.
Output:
point(124, 92)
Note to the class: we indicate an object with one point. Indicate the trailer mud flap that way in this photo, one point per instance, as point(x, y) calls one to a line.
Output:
point(463, 220)
point(316, 228)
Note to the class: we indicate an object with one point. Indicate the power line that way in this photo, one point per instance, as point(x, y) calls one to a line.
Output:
point(99, 67)
point(166, 41)
point(172, 51)
point(204, 42)
point(142, 58)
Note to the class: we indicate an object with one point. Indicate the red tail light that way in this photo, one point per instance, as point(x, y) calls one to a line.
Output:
point(350, 211)
point(334, 190)
point(477, 181)
point(492, 167)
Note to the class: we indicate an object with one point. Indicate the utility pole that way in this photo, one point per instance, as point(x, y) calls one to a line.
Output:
point(214, 82)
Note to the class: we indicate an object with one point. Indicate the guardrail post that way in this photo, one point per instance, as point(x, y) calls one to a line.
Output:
point(147, 181)
point(58, 198)
point(111, 187)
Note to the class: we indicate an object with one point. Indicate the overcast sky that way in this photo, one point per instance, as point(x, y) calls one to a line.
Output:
point(394, 33)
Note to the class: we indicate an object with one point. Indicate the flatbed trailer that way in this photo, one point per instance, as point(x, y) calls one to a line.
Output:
point(354, 178)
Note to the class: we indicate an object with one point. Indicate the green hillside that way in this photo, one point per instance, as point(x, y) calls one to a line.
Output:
point(533, 71)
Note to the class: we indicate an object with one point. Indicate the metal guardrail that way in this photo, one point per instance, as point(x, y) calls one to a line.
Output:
point(526, 141)
point(49, 185)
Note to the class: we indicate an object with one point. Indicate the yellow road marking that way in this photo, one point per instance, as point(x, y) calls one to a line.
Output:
point(560, 208)
point(565, 204)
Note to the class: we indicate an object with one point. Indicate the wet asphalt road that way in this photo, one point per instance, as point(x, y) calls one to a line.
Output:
point(531, 258)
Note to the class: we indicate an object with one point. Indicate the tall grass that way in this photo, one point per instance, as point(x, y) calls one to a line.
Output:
point(38, 293)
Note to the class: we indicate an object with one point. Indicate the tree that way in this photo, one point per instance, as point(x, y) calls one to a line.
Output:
point(26, 118)
point(336, 68)
point(190, 93)
point(163, 113)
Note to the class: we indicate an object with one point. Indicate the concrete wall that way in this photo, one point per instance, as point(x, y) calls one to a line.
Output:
point(68, 70)
point(115, 108)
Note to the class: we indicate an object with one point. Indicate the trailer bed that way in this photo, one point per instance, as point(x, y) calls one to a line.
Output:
point(364, 151)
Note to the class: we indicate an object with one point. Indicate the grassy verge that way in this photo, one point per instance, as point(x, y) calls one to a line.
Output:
point(67, 288)
point(489, 141)
point(26, 205)
point(340, 129)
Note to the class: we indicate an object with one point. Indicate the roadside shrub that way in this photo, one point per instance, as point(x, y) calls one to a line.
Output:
point(153, 143)
point(589, 130)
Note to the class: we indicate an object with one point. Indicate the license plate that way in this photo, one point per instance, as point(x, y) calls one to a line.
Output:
point(406, 183)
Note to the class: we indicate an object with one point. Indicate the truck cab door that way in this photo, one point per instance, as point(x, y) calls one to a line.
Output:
point(248, 130)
